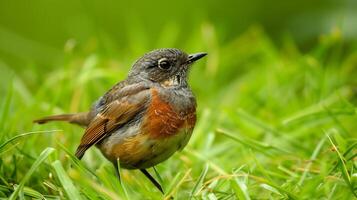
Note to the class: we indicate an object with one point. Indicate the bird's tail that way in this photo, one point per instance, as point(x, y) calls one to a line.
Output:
point(77, 118)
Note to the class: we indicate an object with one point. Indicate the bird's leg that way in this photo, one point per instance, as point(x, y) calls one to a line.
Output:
point(148, 175)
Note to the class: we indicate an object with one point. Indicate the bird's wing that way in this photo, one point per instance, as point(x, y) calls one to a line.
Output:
point(114, 115)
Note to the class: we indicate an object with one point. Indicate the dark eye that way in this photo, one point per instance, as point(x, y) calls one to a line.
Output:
point(163, 63)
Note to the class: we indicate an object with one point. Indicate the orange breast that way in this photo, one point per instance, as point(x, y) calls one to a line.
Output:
point(163, 120)
point(164, 130)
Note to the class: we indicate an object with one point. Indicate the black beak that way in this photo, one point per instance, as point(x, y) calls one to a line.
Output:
point(194, 57)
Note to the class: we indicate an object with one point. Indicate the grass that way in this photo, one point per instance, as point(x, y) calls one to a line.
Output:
point(273, 123)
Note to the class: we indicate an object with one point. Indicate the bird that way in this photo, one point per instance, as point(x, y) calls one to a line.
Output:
point(144, 119)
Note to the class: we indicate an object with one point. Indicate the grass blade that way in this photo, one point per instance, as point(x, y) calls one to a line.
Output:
point(240, 189)
point(122, 185)
point(77, 162)
point(312, 158)
point(2, 146)
point(345, 174)
point(261, 147)
point(66, 182)
point(176, 184)
point(199, 182)
point(35, 165)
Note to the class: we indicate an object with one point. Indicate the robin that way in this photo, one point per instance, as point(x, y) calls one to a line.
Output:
point(144, 119)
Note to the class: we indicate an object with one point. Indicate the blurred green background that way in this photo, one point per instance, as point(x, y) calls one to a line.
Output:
point(36, 32)
point(276, 96)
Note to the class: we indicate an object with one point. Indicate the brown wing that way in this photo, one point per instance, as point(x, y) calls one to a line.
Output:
point(114, 115)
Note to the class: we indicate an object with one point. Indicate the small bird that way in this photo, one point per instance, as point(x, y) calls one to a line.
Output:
point(144, 119)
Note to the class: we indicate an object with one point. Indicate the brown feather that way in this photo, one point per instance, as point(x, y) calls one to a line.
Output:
point(113, 116)
point(81, 119)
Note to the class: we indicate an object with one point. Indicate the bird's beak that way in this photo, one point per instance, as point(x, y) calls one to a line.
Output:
point(194, 57)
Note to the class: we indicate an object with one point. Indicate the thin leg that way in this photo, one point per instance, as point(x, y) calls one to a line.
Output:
point(148, 175)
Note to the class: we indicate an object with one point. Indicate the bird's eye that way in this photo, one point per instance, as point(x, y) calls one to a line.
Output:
point(163, 63)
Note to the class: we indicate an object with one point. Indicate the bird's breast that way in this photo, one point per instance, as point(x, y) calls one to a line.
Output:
point(165, 118)
point(163, 130)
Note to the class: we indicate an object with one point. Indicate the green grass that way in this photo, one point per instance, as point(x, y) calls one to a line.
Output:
point(273, 123)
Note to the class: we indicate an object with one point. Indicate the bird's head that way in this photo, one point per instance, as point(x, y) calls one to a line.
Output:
point(167, 67)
